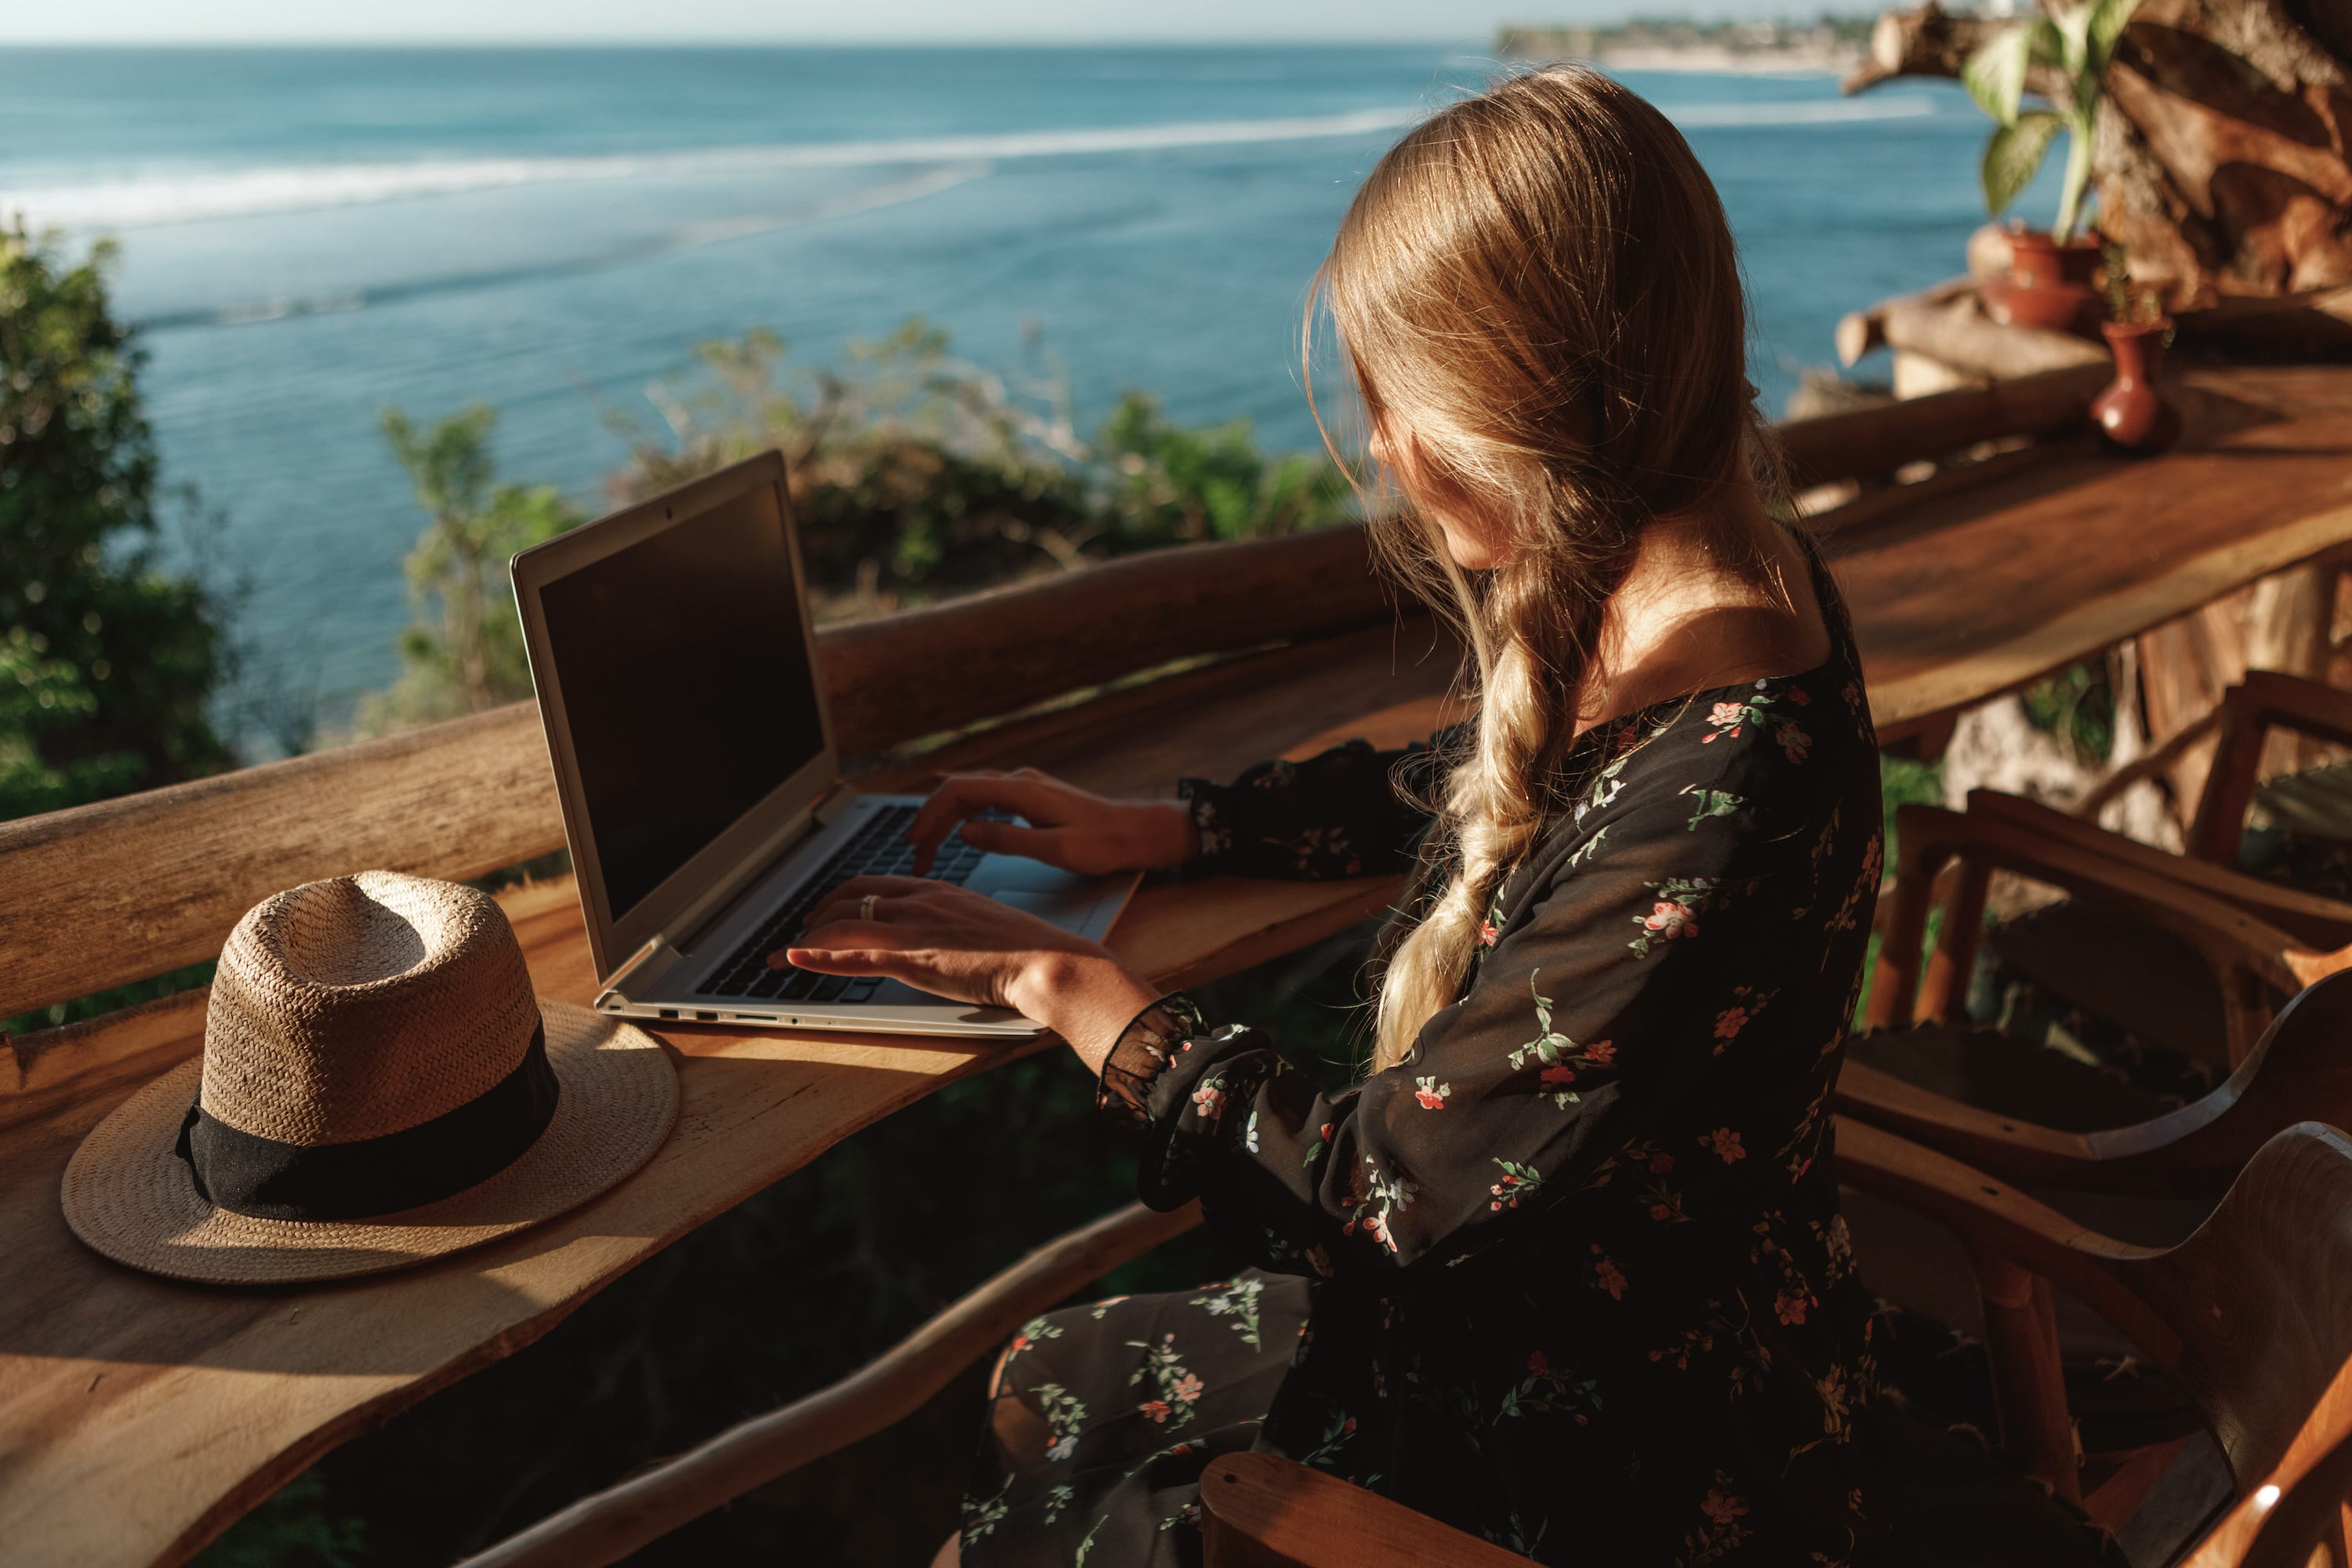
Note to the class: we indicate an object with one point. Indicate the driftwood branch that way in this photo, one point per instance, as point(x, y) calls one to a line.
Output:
point(1930, 41)
point(2216, 165)
point(609, 1525)
point(1956, 332)
point(1860, 332)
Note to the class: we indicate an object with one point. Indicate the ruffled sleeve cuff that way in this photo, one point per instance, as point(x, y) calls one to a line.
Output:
point(1190, 1091)
point(1142, 1052)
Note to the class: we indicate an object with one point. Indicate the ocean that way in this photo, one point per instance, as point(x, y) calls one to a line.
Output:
point(311, 235)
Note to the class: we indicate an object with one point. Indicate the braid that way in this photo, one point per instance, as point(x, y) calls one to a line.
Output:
point(1540, 304)
point(1533, 635)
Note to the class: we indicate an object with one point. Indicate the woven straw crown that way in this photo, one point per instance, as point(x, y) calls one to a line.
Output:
point(362, 1006)
point(379, 1086)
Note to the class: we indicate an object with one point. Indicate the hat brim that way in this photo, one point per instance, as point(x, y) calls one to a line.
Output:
point(129, 1194)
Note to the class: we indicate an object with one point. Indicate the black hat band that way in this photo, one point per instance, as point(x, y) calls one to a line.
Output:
point(261, 1177)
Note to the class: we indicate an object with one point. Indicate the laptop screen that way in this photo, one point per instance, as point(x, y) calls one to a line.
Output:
point(687, 687)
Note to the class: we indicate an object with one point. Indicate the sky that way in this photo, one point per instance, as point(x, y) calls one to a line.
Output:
point(823, 21)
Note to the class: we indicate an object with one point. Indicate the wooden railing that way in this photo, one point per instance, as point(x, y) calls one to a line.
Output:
point(105, 894)
point(117, 891)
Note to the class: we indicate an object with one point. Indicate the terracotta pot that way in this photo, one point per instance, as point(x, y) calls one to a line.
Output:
point(2048, 284)
point(2132, 414)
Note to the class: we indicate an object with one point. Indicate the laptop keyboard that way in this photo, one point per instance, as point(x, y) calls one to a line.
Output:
point(878, 848)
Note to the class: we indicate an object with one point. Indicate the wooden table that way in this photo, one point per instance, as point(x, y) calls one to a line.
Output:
point(139, 1417)
point(1987, 576)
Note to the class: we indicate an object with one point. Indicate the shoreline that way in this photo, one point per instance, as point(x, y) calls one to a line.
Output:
point(1724, 62)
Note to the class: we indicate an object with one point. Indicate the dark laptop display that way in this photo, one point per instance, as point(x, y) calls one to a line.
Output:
point(691, 637)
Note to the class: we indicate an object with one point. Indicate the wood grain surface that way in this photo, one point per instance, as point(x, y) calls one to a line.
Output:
point(1981, 579)
point(139, 1417)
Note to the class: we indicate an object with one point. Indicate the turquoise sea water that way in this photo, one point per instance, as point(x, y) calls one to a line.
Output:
point(313, 234)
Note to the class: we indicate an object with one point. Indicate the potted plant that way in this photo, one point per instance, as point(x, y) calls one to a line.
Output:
point(2049, 274)
point(2132, 414)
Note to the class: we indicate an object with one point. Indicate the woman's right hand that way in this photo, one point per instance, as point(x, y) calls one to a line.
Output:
point(1065, 825)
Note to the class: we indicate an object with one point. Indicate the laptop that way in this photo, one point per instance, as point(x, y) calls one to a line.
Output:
point(674, 658)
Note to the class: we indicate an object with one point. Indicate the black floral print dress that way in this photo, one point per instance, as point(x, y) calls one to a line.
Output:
point(1572, 1276)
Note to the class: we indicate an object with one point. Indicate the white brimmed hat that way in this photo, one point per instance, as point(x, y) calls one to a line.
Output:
point(379, 1086)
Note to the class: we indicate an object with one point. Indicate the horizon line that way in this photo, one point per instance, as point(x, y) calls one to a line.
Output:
point(740, 41)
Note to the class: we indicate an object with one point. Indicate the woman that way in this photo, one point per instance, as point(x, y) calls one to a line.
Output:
point(1566, 1269)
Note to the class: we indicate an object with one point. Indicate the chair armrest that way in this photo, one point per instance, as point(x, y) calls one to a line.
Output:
point(1930, 838)
point(2019, 1247)
point(2322, 921)
point(1258, 1510)
point(2014, 1150)
point(2251, 710)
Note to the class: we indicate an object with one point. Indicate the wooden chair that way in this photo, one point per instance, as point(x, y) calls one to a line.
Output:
point(2264, 701)
point(2220, 936)
point(2253, 1313)
point(2111, 967)
point(2299, 1069)
point(2103, 1152)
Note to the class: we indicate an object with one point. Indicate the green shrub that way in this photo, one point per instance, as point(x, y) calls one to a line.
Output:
point(108, 664)
point(915, 474)
point(465, 654)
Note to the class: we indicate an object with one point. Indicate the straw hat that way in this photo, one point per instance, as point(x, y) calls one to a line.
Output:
point(378, 1087)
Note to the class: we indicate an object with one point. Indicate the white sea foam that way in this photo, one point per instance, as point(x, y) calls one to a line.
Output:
point(143, 200)
point(160, 198)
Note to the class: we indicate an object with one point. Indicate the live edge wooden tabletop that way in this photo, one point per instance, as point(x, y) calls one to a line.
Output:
point(1988, 575)
point(137, 1416)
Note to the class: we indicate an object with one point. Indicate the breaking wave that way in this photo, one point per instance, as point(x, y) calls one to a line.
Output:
point(148, 199)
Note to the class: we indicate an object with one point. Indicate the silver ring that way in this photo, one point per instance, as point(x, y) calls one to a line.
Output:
point(865, 907)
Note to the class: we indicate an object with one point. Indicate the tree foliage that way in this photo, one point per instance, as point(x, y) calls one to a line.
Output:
point(108, 663)
point(464, 652)
point(915, 473)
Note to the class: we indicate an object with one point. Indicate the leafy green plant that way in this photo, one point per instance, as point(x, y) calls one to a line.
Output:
point(2074, 46)
point(467, 653)
point(915, 473)
point(1168, 484)
point(911, 470)
point(108, 662)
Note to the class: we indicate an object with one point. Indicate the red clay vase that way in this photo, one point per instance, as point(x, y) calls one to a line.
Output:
point(2132, 414)
point(2048, 284)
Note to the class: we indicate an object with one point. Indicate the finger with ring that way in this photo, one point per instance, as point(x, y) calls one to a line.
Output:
point(865, 907)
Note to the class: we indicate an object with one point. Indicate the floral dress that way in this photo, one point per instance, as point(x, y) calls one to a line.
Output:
point(1571, 1277)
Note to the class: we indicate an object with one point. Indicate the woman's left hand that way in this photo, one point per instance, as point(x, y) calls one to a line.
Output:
point(955, 942)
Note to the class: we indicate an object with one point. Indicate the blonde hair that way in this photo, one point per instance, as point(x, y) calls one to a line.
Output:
point(1538, 287)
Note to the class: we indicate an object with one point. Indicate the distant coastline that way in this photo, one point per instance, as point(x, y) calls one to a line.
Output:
point(1833, 46)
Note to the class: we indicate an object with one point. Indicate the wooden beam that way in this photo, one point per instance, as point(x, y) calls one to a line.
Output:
point(138, 886)
point(1869, 442)
point(894, 677)
point(132, 887)
point(608, 1525)
point(126, 889)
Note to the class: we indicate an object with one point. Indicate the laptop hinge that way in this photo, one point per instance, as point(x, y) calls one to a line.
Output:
point(616, 990)
point(838, 801)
